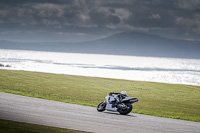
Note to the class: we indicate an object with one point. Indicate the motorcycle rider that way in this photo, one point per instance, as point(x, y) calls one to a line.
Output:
point(118, 97)
point(122, 95)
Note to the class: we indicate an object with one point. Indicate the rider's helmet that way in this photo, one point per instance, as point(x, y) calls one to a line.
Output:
point(124, 92)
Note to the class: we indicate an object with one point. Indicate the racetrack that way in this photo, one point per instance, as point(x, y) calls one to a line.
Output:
point(70, 116)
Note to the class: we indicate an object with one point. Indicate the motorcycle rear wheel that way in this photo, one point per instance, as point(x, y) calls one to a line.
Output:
point(101, 107)
point(127, 110)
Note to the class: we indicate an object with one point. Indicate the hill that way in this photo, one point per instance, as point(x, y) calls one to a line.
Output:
point(126, 43)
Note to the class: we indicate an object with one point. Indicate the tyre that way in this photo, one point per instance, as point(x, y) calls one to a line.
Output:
point(127, 110)
point(101, 107)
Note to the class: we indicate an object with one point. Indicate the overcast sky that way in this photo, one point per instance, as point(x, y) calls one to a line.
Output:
point(80, 20)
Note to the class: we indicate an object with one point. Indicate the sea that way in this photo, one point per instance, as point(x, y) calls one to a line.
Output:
point(138, 68)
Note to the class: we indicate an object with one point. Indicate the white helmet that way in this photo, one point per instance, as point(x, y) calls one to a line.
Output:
point(124, 92)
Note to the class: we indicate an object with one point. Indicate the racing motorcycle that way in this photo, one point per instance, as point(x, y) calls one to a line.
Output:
point(117, 102)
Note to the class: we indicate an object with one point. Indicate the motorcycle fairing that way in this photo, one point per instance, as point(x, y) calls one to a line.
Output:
point(110, 108)
point(108, 105)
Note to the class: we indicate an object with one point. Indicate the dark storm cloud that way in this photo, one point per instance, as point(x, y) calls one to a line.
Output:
point(100, 15)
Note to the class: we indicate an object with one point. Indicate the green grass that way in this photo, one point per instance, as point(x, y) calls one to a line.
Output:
point(158, 99)
point(19, 127)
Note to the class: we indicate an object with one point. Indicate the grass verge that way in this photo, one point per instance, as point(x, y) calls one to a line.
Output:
point(158, 99)
point(7, 126)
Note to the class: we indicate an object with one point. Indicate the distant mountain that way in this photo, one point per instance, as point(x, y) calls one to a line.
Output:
point(126, 43)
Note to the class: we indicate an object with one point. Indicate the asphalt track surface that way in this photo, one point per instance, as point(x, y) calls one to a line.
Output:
point(70, 116)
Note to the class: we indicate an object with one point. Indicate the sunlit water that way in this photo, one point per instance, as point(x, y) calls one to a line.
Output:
point(166, 70)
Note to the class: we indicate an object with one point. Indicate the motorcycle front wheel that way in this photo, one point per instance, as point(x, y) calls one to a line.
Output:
point(101, 107)
point(127, 110)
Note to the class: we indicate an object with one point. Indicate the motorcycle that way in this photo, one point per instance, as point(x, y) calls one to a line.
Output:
point(117, 102)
